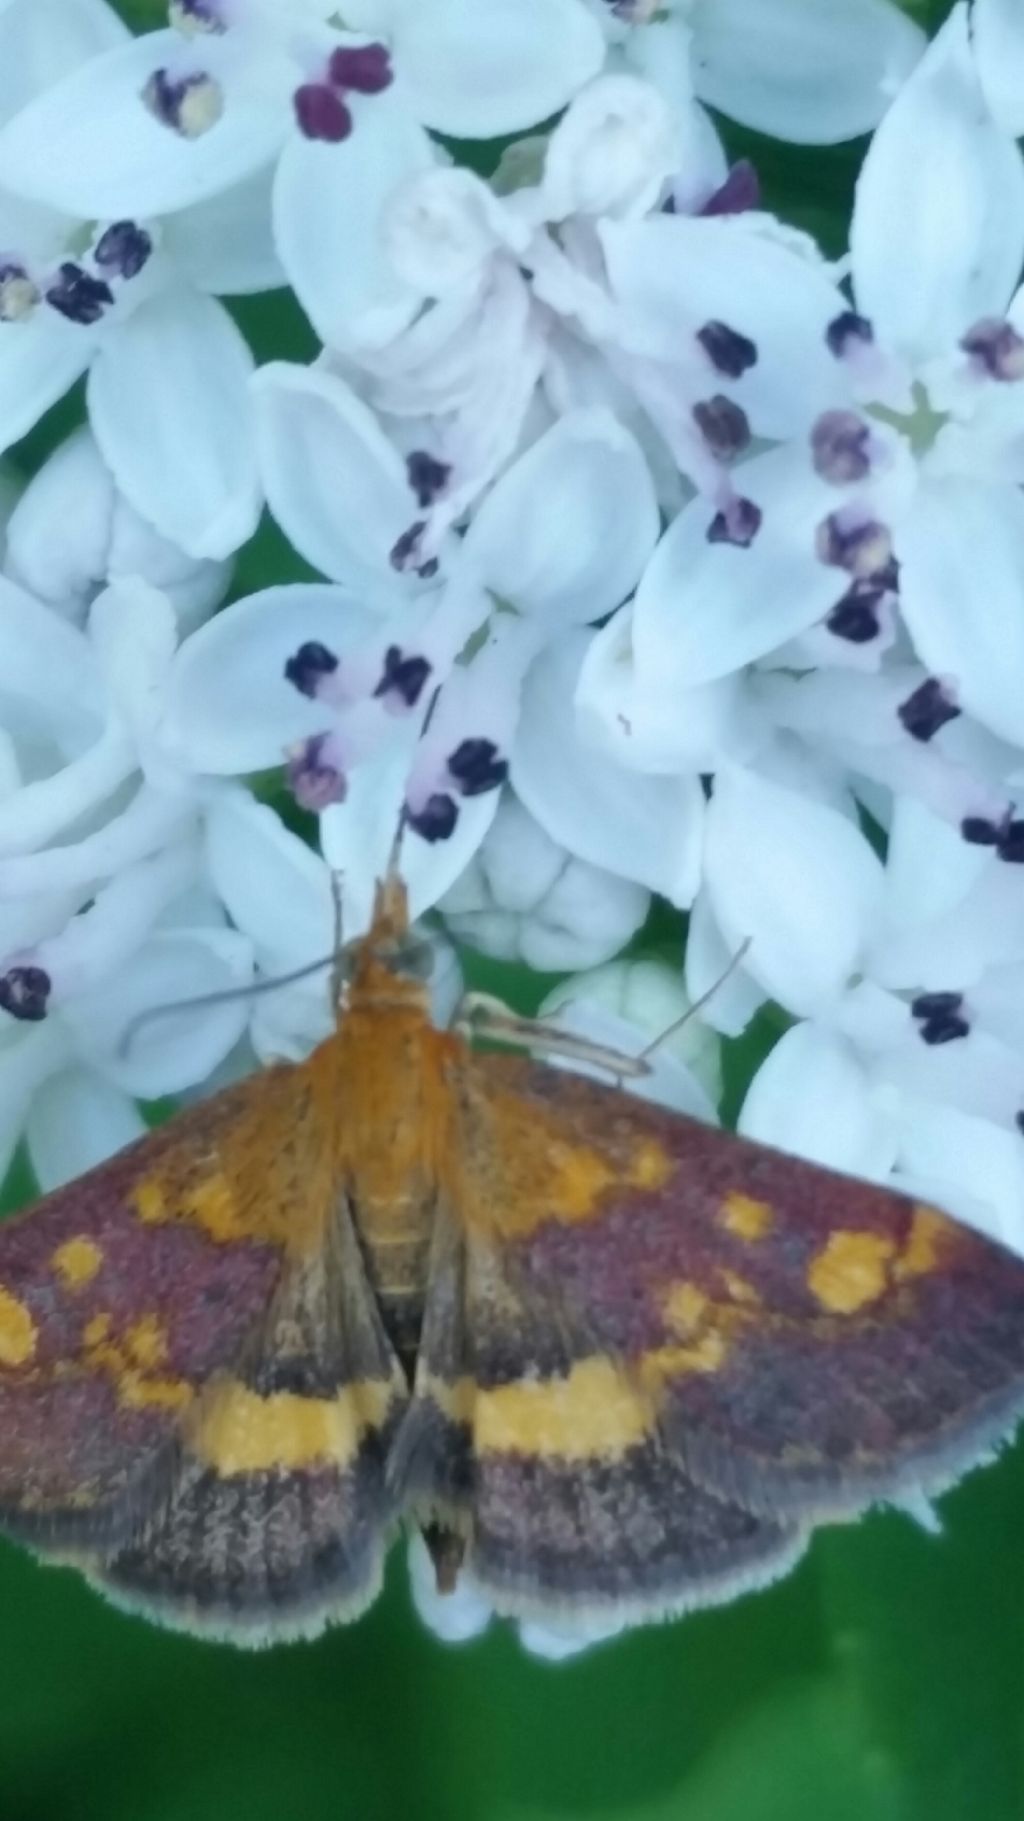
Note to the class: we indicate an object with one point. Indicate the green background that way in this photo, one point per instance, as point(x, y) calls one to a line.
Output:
point(885, 1679)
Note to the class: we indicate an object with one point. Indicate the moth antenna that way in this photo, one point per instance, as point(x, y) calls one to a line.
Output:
point(698, 1004)
point(224, 996)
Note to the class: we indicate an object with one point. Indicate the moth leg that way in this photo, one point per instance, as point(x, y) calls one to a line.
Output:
point(479, 1016)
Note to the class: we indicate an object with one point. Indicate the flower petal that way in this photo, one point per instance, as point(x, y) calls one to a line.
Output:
point(357, 836)
point(643, 720)
point(523, 898)
point(674, 274)
point(638, 1005)
point(170, 407)
point(78, 1120)
point(540, 538)
point(938, 227)
point(794, 877)
point(644, 828)
point(329, 205)
point(336, 486)
point(997, 28)
point(73, 489)
point(41, 42)
point(482, 71)
point(229, 707)
point(173, 1052)
point(804, 72)
point(276, 890)
point(453, 1617)
point(970, 1165)
point(961, 585)
point(91, 146)
point(225, 243)
point(715, 976)
point(704, 609)
point(812, 1096)
point(40, 357)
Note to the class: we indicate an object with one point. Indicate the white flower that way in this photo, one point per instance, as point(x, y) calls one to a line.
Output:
point(916, 1068)
point(103, 539)
point(523, 898)
point(173, 117)
point(795, 68)
point(353, 681)
point(891, 507)
point(64, 1078)
point(640, 1005)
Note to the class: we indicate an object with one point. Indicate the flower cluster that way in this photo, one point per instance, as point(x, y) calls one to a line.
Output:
point(661, 555)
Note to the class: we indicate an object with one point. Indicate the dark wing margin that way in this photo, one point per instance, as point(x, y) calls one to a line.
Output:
point(546, 1462)
point(809, 1343)
point(280, 1515)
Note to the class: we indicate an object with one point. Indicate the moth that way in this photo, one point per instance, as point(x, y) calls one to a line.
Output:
point(614, 1361)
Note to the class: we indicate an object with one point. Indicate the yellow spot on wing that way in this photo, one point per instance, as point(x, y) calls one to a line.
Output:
point(238, 1431)
point(851, 1270)
point(593, 1411)
point(738, 1289)
point(150, 1202)
point(930, 1232)
point(684, 1307)
point(745, 1216)
point(209, 1203)
point(574, 1179)
point(17, 1331)
point(146, 1341)
point(77, 1261)
point(707, 1354)
point(129, 1363)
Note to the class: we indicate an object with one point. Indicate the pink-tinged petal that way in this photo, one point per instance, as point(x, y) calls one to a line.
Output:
point(357, 835)
point(706, 608)
point(997, 27)
point(644, 828)
point(334, 482)
point(962, 586)
point(170, 408)
point(90, 144)
point(329, 207)
point(229, 707)
point(813, 1096)
point(540, 539)
point(43, 41)
point(796, 879)
point(478, 72)
point(938, 226)
point(78, 1120)
point(673, 275)
point(804, 72)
